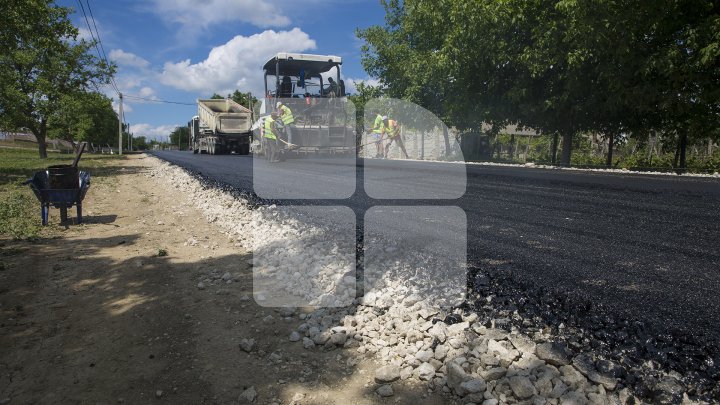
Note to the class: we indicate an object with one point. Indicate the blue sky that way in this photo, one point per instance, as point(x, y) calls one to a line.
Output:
point(181, 50)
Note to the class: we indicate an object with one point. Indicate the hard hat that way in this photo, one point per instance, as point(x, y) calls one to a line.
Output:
point(278, 104)
point(385, 117)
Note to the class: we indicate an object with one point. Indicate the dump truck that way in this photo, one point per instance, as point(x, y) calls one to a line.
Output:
point(324, 119)
point(221, 126)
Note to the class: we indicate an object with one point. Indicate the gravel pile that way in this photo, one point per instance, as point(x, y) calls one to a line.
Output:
point(499, 346)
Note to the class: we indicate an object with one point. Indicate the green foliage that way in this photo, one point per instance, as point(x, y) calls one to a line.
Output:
point(84, 116)
point(19, 209)
point(241, 98)
point(140, 143)
point(567, 67)
point(181, 135)
point(17, 165)
point(18, 219)
point(41, 64)
point(363, 94)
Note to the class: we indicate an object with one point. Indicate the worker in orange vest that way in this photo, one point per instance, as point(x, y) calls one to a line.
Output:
point(392, 131)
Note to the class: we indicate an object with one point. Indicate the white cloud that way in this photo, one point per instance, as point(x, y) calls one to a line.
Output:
point(128, 59)
point(84, 33)
point(147, 92)
point(236, 64)
point(127, 82)
point(193, 15)
point(351, 83)
point(126, 107)
point(151, 131)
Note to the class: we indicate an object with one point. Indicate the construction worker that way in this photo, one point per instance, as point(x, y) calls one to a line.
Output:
point(377, 131)
point(392, 130)
point(270, 131)
point(332, 88)
point(286, 116)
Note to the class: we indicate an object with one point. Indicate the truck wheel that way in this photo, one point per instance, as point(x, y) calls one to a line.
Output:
point(195, 151)
point(244, 149)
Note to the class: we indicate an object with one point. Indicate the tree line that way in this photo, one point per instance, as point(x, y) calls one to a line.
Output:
point(620, 69)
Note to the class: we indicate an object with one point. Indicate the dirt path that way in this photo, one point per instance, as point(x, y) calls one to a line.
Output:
point(100, 315)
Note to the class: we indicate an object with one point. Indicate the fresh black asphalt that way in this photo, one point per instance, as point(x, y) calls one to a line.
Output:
point(646, 247)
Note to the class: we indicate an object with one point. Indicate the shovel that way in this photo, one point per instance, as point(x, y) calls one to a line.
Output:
point(80, 152)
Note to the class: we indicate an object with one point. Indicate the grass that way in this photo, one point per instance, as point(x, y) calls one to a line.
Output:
point(20, 164)
point(19, 209)
point(16, 215)
point(23, 144)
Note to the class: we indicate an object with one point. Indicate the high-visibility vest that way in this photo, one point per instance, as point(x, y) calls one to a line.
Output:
point(392, 128)
point(287, 116)
point(269, 133)
point(333, 89)
point(378, 125)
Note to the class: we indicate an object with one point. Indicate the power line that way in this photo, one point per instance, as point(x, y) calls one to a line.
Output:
point(92, 34)
point(96, 30)
point(156, 100)
point(97, 41)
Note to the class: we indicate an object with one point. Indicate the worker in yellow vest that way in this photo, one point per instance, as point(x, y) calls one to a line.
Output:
point(377, 133)
point(270, 135)
point(287, 119)
point(392, 131)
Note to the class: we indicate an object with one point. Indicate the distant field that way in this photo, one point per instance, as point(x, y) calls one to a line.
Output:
point(24, 144)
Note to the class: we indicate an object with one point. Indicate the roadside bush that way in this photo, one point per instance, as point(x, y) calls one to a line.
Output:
point(587, 160)
point(18, 219)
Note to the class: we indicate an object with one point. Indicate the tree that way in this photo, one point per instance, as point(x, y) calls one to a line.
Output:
point(402, 55)
point(41, 62)
point(411, 56)
point(561, 67)
point(180, 136)
point(84, 116)
point(140, 143)
point(241, 98)
point(363, 94)
point(653, 66)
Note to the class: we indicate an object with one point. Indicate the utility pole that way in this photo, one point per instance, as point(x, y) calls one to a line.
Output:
point(120, 120)
point(129, 148)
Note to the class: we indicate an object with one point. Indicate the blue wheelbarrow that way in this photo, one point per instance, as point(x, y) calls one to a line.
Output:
point(63, 198)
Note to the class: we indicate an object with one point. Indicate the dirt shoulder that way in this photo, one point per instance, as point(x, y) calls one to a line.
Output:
point(100, 315)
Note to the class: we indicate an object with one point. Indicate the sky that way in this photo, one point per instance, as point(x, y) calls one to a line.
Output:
point(182, 50)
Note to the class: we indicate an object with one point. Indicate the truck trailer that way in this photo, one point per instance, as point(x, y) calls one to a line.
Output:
point(221, 126)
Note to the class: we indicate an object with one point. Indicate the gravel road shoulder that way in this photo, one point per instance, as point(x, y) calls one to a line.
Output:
point(149, 301)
